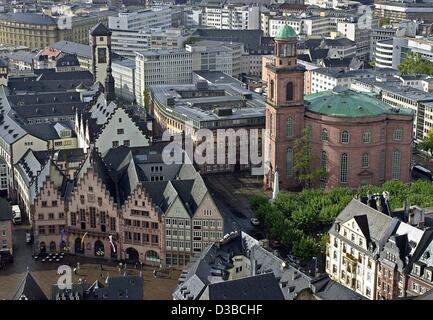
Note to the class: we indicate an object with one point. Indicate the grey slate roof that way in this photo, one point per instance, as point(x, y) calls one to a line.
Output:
point(259, 287)
point(81, 50)
point(30, 18)
point(212, 265)
point(128, 287)
point(335, 291)
point(100, 30)
point(29, 289)
point(380, 226)
point(70, 155)
point(45, 130)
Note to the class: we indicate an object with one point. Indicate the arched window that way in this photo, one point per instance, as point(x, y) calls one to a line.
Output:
point(397, 134)
point(324, 134)
point(382, 165)
point(271, 90)
point(289, 91)
point(290, 127)
point(365, 160)
point(366, 137)
point(396, 164)
point(382, 134)
point(289, 162)
point(323, 166)
point(343, 168)
point(345, 136)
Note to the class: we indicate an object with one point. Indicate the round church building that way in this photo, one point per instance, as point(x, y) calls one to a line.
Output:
point(357, 139)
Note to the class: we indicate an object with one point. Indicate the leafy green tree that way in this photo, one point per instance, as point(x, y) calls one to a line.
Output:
point(305, 248)
point(427, 143)
point(384, 21)
point(305, 173)
point(146, 98)
point(257, 201)
point(414, 63)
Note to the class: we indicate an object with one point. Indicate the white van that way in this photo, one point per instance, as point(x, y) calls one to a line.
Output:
point(16, 214)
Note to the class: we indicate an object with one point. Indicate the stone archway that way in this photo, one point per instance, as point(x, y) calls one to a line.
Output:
point(52, 246)
point(132, 255)
point(42, 248)
point(152, 257)
point(78, 247)
point(99, 248)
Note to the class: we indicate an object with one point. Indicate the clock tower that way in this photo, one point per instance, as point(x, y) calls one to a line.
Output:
point(284, 108)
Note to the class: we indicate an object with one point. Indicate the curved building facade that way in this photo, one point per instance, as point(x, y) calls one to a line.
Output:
point(357, 139)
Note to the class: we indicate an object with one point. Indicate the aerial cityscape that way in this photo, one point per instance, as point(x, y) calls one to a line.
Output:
point(216, 150)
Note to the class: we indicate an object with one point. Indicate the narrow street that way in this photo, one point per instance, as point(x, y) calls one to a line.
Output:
point(231, 193)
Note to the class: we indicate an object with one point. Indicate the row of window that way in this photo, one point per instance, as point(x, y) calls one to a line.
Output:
point(366, 136)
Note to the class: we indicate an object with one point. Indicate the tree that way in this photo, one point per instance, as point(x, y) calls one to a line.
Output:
point(302, 163)
point(146, 98)
point(427, 142)
point(414, 64)
point(384, 21)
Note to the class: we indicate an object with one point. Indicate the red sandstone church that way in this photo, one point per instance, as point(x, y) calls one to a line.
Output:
point(356, 138)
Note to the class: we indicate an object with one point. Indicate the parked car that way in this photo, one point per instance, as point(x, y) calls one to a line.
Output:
point(255, 221)
point(16, 215)
point(275, 244)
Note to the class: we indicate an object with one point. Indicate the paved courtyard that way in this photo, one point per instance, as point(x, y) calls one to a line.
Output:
point(232, 193)
point(45, 274)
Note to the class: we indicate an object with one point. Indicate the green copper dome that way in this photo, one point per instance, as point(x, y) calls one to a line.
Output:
point(285, 32)
point(347, 103)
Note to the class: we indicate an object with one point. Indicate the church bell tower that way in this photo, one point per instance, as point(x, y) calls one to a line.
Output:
point(284, 108)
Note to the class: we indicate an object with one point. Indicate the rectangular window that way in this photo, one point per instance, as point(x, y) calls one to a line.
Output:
point(397, 134)
point(103, 217)
point(126, 143)
point(115, 144)
point(120, 131)
point(112, 224)
point(155, 238)
point(73, 218)
point(92, 217)
point(396, 164)
point(41, 229)
point(51, 229)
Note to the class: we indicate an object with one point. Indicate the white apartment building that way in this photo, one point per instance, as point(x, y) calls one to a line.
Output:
point(141, 20)
point(306, 25)
point(231, 17)
point(275, 23)
point(123, 72)
point(217, 56)
point(325, 79)
point(317, 25)
point(161, 66)
point(354, 31)
point(127, 42)
point(383, 54)
point(355, 240)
